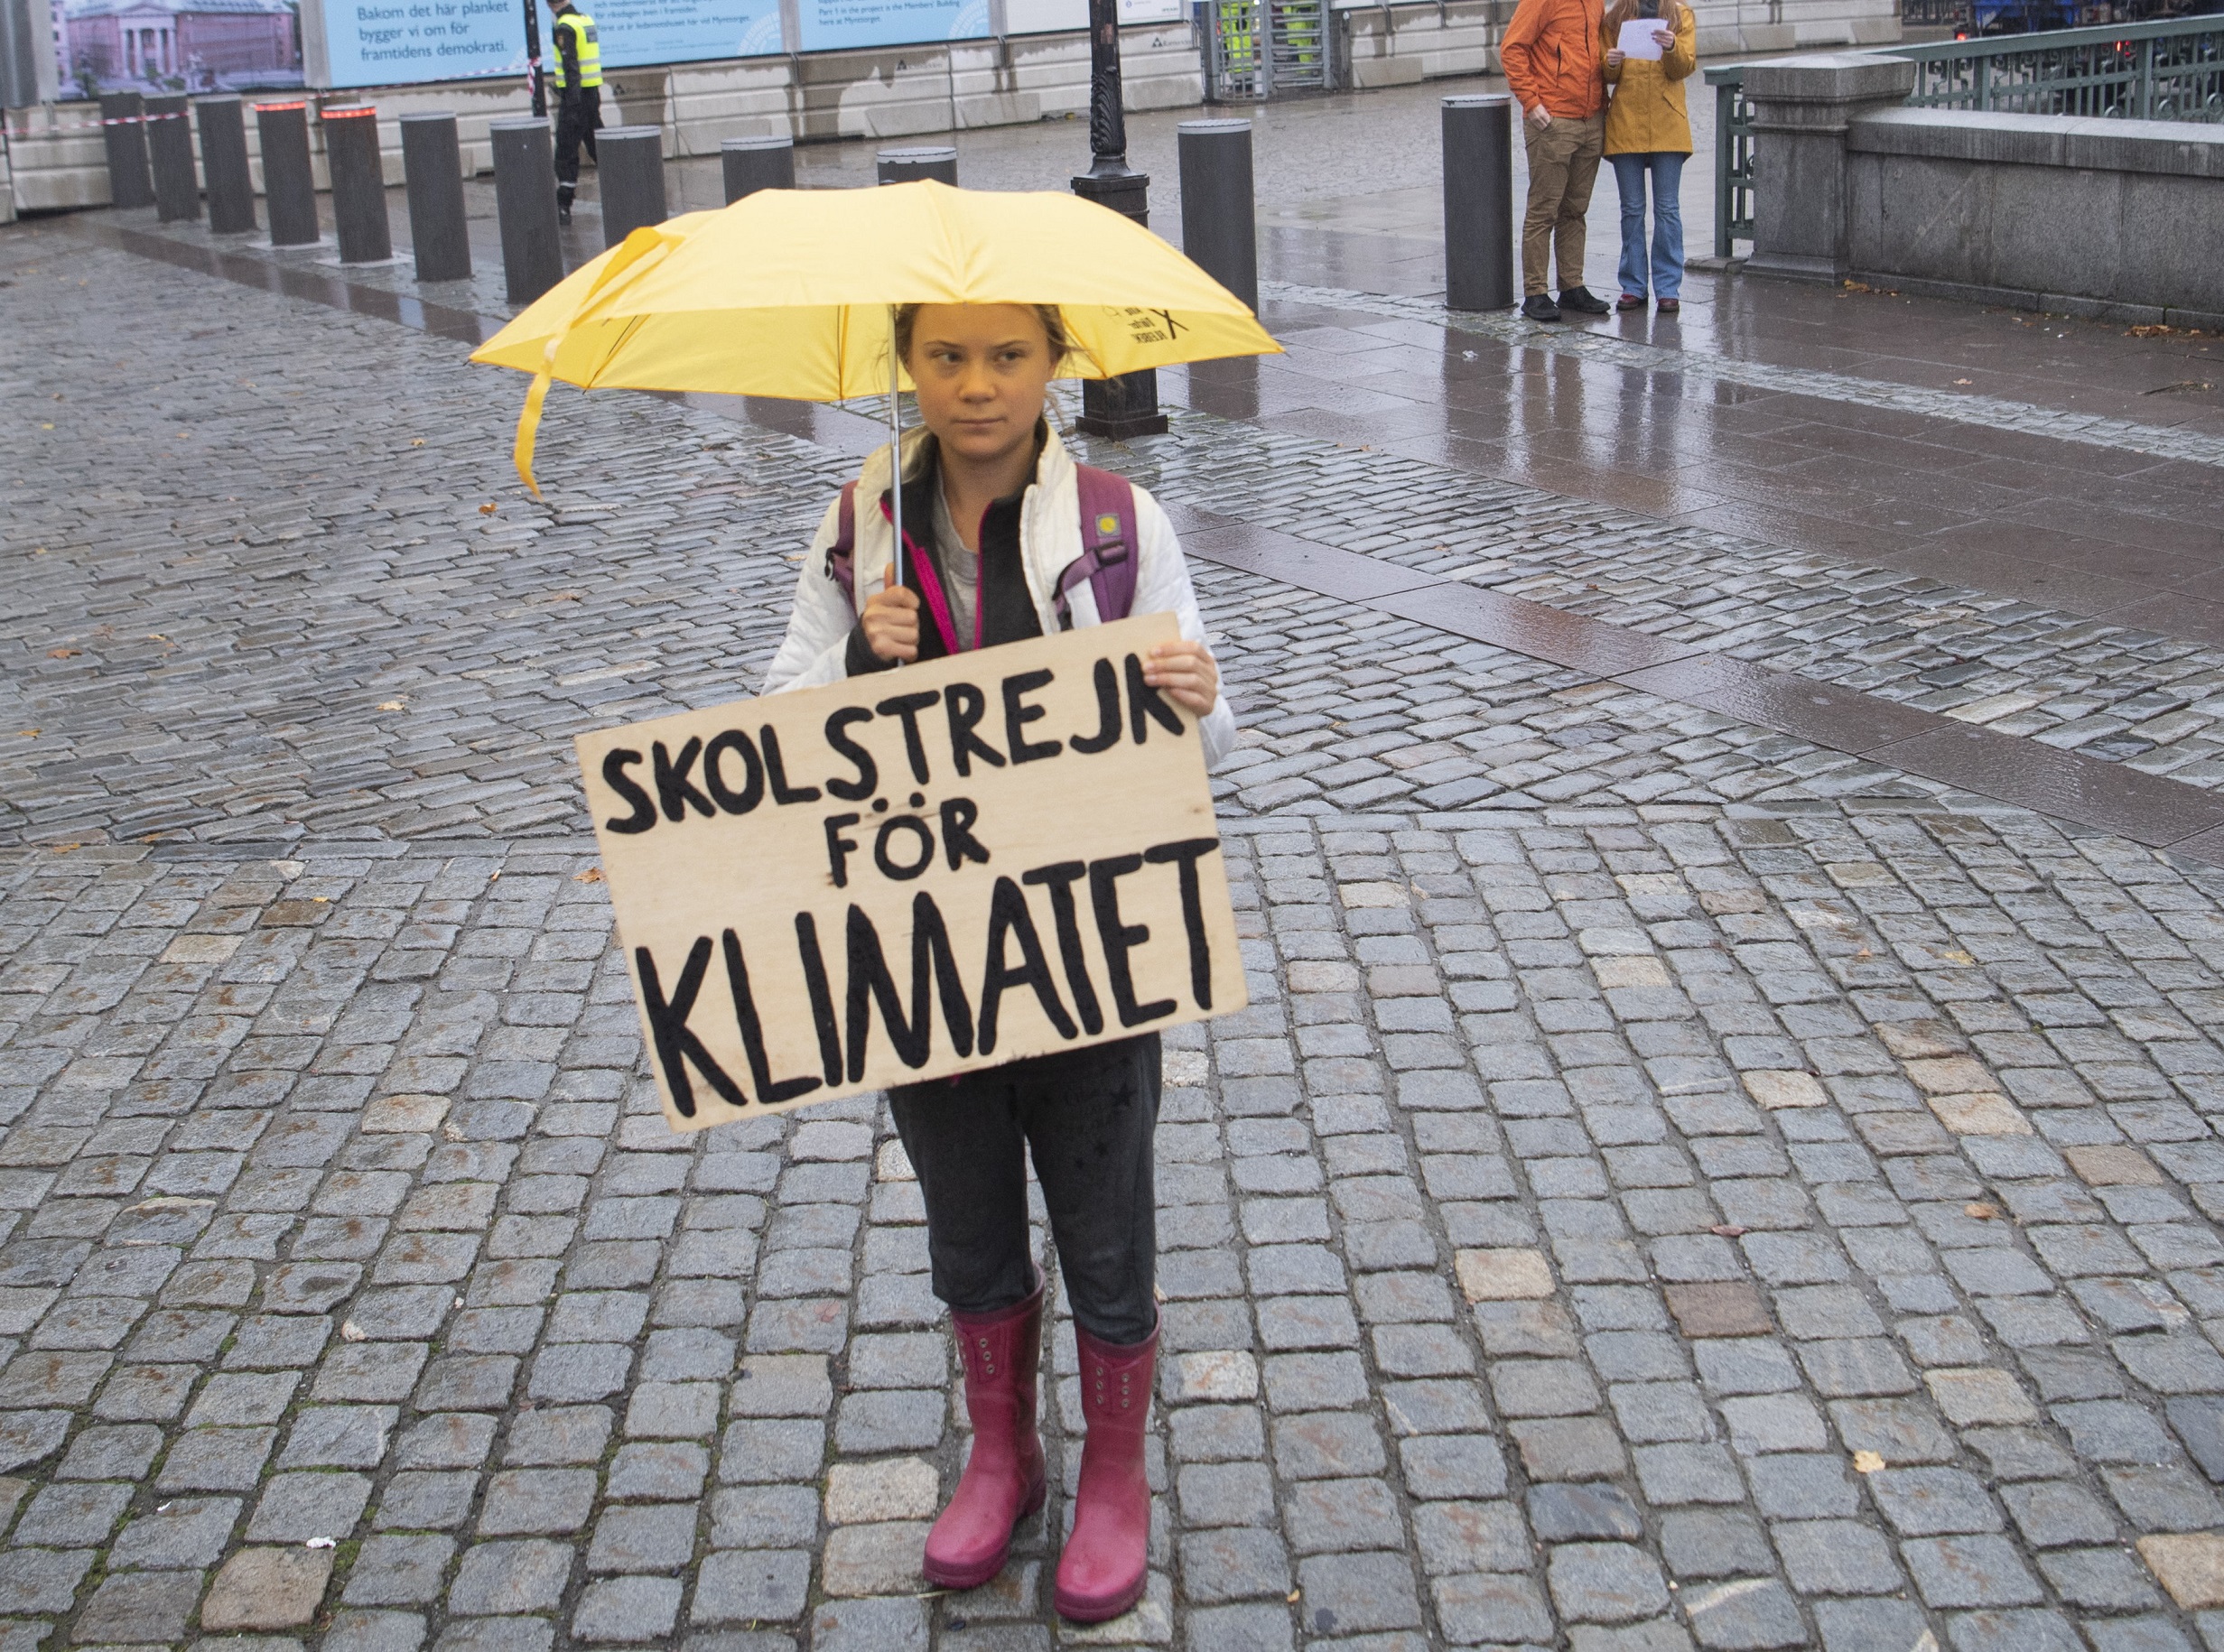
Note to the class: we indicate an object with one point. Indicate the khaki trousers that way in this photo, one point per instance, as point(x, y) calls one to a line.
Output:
point(1563, 163)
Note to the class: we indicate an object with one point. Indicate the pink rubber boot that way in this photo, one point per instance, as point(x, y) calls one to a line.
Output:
point(1003, 1479)
point(1102, 1573)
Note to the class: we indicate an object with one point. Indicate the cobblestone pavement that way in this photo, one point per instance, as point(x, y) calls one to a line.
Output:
point(1677, 1185)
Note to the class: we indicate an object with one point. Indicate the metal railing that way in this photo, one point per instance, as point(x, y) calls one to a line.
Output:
point(1733, 157)
point(2168, 70)
point(2171, 70)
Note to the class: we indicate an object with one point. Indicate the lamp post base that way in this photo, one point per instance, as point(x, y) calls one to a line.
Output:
point(1126, 406)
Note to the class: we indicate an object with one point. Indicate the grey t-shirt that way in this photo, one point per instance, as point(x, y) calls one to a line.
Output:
point(961, 568)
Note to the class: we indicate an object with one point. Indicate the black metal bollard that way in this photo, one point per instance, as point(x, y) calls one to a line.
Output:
point(911, 165)
point(358, 185)
point(525, 197)
point(754, 163)
point(123, 129)
point(289, 185)
point(1219, 222)
point(224, 164)
point(629, 169)
point(1478, 203)
point(169, 157)
point(432, 169)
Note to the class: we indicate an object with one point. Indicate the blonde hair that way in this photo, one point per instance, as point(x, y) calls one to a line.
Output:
point(1053, 322)
point(1625, 11)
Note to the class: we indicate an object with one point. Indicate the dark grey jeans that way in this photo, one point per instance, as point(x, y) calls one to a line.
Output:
point(1087, 1117)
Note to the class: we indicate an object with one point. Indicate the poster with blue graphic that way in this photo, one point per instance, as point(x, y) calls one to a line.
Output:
point(404, 42)
point(835, 25)
point(638, 32)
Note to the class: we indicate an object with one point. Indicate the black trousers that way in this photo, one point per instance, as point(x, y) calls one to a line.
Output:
point(578, 116)
point(1087, 1117)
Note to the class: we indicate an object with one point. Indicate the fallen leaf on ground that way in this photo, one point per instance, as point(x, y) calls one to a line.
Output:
point(592, 875)
point(1983, 1212)
point(63, 654)
point(1868, 1462)
point(389, 705)
point(350, 1331)
point(486, 510)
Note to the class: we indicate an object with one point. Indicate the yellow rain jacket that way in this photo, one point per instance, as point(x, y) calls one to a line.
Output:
point(1647, 114)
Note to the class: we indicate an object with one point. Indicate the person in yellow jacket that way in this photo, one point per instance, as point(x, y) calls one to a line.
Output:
point(1648, 134)
point(579, 91)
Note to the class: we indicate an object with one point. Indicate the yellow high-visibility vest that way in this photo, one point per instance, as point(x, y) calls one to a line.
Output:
point(583, 40)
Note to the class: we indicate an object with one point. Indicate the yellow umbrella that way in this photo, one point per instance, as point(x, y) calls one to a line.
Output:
point(792, 292)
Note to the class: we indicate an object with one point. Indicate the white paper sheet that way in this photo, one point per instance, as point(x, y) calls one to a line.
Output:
point(1641, 38)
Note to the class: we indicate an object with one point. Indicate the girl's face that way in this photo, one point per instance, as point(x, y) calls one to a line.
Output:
point(982, 372)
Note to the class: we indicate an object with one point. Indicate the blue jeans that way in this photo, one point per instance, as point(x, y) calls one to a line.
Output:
point(1666, 279)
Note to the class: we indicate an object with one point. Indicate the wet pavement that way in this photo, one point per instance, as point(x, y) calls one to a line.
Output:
point(1722, 1151)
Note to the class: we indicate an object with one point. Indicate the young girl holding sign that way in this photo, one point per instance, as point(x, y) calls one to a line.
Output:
point(1008, 538)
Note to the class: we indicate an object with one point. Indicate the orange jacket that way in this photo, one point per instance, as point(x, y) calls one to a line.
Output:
point(1550, 55)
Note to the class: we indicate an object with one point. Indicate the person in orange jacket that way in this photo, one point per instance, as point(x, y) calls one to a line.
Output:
point(1648, 132)
point(1552, 60)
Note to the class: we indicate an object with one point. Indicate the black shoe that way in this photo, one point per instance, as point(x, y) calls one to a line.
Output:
point(1582, 302)
point(1539, 306)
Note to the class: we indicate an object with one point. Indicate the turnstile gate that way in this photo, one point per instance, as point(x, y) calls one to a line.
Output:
point(1257, 49)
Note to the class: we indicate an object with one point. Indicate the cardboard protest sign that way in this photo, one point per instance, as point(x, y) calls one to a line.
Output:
point(914, 874)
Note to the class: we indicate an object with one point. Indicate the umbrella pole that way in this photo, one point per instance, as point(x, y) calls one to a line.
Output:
point(895, 446)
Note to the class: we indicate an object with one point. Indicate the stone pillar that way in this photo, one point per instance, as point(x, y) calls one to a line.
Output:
point(224, 164)
point(432, 170)
point(912, 165)
point(358, 184)
point(289, 186)
point(1478, 203)
point(524, 199)
point(754, 163)
point(1802, 108)
point(1219, 221)
point(629, 174)
point(123, 128)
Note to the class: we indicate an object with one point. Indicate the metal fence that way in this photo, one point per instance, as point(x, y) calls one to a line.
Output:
point(2164, 70)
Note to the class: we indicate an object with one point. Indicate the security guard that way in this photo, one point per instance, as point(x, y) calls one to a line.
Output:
point(578, 88)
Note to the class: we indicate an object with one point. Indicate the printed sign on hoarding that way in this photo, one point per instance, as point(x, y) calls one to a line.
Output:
point(636, 32)
point(159, 46)
point(836, 25)
point(400, 42)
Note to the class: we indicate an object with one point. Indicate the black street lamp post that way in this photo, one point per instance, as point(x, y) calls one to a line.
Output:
point(533, 58)
point(1127, 406)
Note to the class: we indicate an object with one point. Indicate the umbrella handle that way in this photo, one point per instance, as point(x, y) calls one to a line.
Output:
point(895, 445)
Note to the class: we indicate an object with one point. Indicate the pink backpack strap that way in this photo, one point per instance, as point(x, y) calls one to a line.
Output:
point(1110, 546)
point(841, 555)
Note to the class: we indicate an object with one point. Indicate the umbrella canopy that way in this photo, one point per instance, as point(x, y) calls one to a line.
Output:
point(789, 293)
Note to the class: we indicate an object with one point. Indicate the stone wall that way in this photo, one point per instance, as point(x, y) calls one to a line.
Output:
point(2120, 219)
